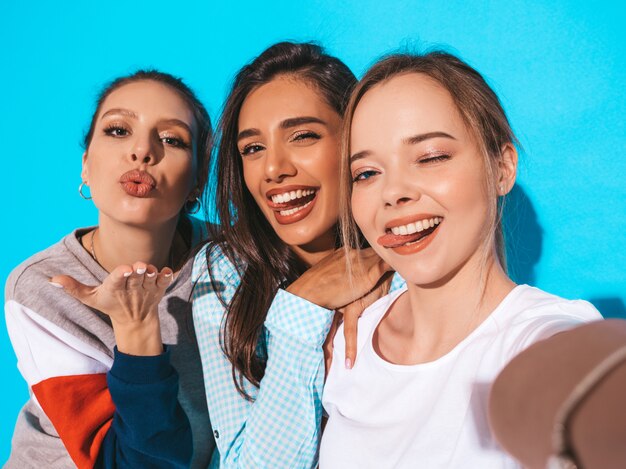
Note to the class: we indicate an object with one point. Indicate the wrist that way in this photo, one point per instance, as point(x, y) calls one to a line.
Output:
point(139, 338)
point(304, 293)
point(141, 369)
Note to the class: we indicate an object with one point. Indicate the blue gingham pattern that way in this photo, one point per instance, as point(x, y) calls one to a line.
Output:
point(280, 429)
point(397, 283)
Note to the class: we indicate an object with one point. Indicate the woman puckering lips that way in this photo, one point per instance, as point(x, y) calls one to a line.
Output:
point(137, 183)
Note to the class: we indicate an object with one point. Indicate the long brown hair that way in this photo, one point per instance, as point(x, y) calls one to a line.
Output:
point(479, 107)
point(264, 261)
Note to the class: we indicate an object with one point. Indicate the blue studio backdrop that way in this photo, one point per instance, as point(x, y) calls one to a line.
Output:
point(559, 68)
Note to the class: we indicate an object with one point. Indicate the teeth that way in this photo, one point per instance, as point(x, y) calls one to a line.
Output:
point(293, 195)
point(291, 211)
point(416, 227)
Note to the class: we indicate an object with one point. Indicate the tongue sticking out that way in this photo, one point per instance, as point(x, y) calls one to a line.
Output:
point(391, 240)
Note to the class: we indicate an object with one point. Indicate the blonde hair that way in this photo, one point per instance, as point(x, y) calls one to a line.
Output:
point(480, 110)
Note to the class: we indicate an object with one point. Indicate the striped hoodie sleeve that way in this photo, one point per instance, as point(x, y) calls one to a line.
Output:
point(120, 412)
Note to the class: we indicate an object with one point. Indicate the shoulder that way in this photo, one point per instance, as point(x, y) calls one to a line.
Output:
point(529, 314)
point(214, 273)
point(28, 277)
point(526, 303)
point(31, 300)
point(211, 261)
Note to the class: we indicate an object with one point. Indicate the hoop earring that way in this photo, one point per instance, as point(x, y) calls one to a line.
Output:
point(80, 191)
point(195, 207)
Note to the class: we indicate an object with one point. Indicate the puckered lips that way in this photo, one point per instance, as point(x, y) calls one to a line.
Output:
point(291, 204)
point(137, 183)
point(411, 234)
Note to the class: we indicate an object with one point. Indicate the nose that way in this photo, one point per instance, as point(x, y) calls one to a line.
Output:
point(400, 187)
point(143, 150)
point(278, 164)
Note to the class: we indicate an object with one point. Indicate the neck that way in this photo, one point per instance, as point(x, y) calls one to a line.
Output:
point(432, 319)
point(117, 243)
point(317, 250)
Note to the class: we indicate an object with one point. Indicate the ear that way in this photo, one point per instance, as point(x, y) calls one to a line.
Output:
point(84, 174)
point(507, 167)
point(195, 192)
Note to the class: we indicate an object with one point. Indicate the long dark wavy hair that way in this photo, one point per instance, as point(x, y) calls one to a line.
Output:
point(264, 261)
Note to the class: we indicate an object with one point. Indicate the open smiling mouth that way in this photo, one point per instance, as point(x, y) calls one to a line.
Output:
point(291, 204)
point(410, 237)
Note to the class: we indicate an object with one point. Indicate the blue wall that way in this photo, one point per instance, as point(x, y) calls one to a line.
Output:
point(559, 67)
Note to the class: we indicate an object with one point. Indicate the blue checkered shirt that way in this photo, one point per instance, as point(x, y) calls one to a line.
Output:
point(281, 427)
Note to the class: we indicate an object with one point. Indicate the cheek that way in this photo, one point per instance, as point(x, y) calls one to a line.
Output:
point(181, 175)
point(468, 205)
point(470, 194)
point(325, 168)
point(460, 189)
point(96, 168)
point(250, 177)
point(361, 209)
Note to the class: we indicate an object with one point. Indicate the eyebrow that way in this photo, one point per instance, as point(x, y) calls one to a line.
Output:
point(177, 122)
point(296, 121)
point(285, 124)
point(248, 133)
point(413, 140)
point(133, 115)
point(123, 112)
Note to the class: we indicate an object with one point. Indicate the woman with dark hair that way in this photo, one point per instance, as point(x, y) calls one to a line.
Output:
point(429, 157)
point(105, 391)
point(269, 282)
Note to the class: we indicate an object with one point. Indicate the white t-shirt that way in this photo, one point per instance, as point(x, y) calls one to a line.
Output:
point(433, 415)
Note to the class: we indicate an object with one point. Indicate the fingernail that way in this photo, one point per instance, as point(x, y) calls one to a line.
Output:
point(141, 271)
point(169, 274)
point(150, 274)
point(348, 363)
point(56, 285)
point(127, 274)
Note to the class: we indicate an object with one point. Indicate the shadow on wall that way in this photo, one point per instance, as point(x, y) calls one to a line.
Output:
point(524, 236)
point(524, 240)
point(612, 307)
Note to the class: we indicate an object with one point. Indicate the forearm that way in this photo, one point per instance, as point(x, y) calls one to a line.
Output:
point(279, 427)
point(149, 428)
point(284, 424)
point(282, 429)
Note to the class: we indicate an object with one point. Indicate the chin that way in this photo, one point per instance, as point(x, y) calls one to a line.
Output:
point(297, 236)
point(303, 232)
point(143, 219)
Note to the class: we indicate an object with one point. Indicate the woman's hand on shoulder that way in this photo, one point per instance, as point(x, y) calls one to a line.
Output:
point(327, 284)
point(130, 296)
point(350, 315)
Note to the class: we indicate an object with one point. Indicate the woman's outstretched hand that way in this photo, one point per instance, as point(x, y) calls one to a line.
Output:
point(130, 296)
